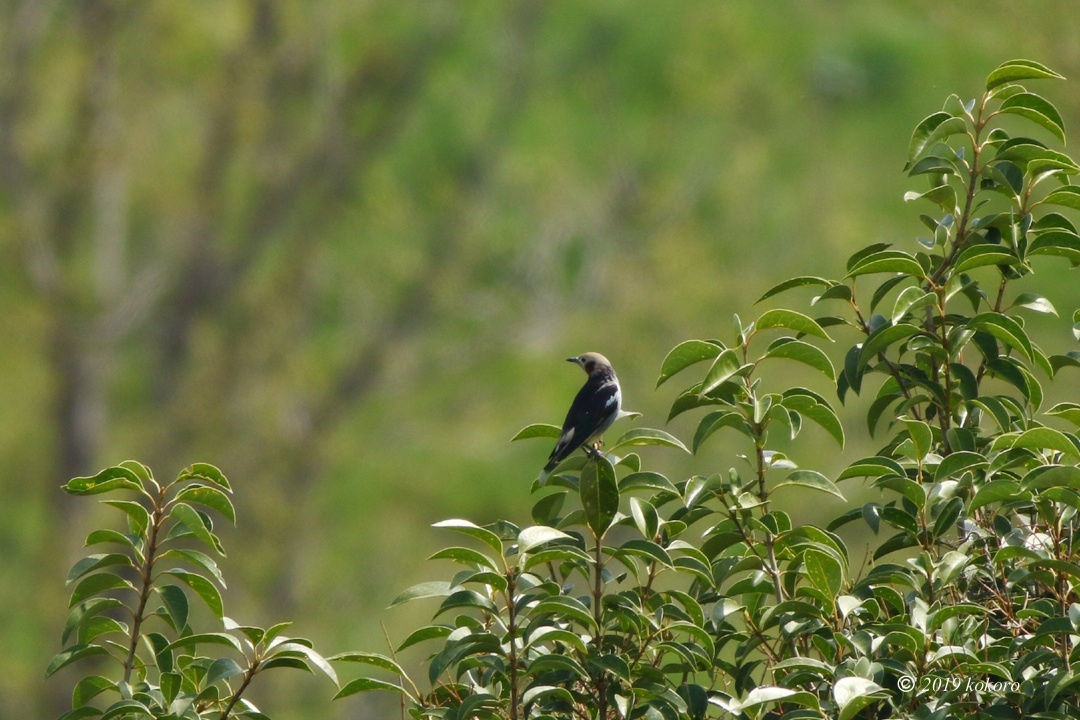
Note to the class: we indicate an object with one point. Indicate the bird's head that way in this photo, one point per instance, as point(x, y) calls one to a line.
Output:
point(591, 362)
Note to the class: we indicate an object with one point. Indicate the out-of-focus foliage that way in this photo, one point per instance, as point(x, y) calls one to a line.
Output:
point(131, 608)
point(334, 245)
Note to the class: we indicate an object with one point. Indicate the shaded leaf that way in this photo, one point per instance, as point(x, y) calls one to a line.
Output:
point(599, 490)
point(112, 478)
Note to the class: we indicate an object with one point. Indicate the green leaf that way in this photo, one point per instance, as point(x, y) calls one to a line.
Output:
point(1066, 411)
point(646, 549)
point(1038, 110)
point(368, 658)
point(433, 588)
point(206, 472)
point(794, 283)
point(684, 355)
point(473, 530)
point(222, 669)
point(193, 521)
point(725, 367)
point(209, 638)
point(931, 129)
point(645, 517)
point(90, 687)
point(1057, 243)
point(825, 572)
point(716, 420)
point(599, 490)
point(298, 647)
point(428, 632)
point(537, 535)
point(882, 338)
point(853, 693)
point(791, 320)
point(802, 352)
point(981, 255)
point(1014, 70)
point(921, 436)
point(126, 708)
point(175, 603)
point(139, 516)
point(958, 463)
point(468, 556)
point(1066, 196)
point(363, 684)
point(764, 694)
point(1035, 303)
point(112, 478)
point(199, 559)
point(98, 537)
point(91, 563)
point(811, 479)
point(811, 405)
point(944, 196)
point(98, 583)
point(537, 430)
point(209, 497)
point(872, 467)
point(1006, 329)
point(72, 654)
point(647, 480)
point(648, 436)
point(83, 612)
point(202, 587)
point(1044, 438)
point(909, 300)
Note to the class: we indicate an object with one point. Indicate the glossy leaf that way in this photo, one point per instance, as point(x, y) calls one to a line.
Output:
point(537, 430)
point(811, 479)
point(801, 281)
point(205, 472)
point(599, 490)
point(112, 478)
point(202, 587)
point(1036, 109)
point(790, 320)
point(1014, 70)
point(802, 352)
point(933, 128)
point(471, 529)
point(686, 354)
point(1006, 329)
point(648, 436)
point(537, 535)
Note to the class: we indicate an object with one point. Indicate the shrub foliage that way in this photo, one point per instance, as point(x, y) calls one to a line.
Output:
point(632, 595)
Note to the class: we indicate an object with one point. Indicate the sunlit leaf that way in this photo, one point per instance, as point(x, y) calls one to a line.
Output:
point(686, 354)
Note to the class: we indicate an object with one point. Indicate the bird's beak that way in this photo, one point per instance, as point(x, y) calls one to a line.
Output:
point(573, 360)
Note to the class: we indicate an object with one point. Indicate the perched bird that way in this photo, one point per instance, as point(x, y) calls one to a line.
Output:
point(596, 406)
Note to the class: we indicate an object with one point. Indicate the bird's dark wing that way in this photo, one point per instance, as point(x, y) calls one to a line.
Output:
point(594, 404)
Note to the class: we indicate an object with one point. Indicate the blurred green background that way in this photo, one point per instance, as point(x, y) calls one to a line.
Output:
point(341, 249)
